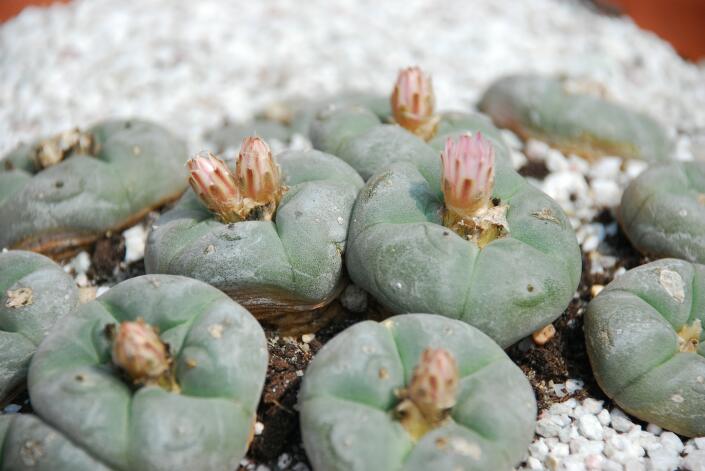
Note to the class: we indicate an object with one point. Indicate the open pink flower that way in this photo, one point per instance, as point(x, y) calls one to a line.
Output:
point(215, 185)
point(434, 383)
point(257, 173)
point(413, 102)
point(468, 174)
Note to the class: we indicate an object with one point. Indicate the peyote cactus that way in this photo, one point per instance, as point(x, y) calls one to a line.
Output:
point(663, 211)
point(69, 190)
point(415, 392)
point(34, 294)
point(281, 121)
point(279, 255)
point(644, 338)
point(544, 108)
point(506, 261)
point(358, 136)
point(94, 383)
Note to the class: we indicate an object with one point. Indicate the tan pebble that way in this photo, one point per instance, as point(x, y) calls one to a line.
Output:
point(543, 335)
point(596, 289)
point(308, 338)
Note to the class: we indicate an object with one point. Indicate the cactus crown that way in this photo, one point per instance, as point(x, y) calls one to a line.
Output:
point(431, 393)
point(413, 103)
point(467, 182)
point(55, 149)
point(141, 354)
point(253, 192)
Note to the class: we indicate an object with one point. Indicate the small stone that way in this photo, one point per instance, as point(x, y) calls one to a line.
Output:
point(538, 449)
point(259, 428)
point(560, 449)
point(590, 427)
point(604, 417)
point(634, 464)
point(654, 429)
point(694, 461)
point(594, 462)
point(620, 421)
point(592, 406)
point(663, 459)
point(542, 336)
point(561, 408)
point(671, 440)
point(547, 428)
point(308, 338)
point(700, 443)
point(596, 289)
point(12, 409)
point(533, 463)
point(284, 461)
point(573, 385)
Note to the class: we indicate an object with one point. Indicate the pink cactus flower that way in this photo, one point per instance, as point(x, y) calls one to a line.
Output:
point(413, 102)
point(257, 173)
point(215, 185)
point(434, 383)
point(468, 174)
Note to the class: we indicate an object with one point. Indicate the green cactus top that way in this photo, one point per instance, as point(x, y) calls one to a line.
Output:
point(35, 292)
point(220, 360)
point(348, 396)
point(539, 107)
point(138, 166)
point(645, 342)
point(359, 137)
point(399, 251)
point(663, 211)
point(297, 258)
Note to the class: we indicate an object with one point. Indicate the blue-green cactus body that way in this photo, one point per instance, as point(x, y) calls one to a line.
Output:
point(293, 262)
point(35, 293)
point(637, 355)
point(541, 108)
point(220, 360)
point(349, 393)
point(663, 211)
point(138, 166)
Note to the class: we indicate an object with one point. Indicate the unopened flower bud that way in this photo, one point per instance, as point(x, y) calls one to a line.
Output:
point(413, 103)
point(258, 175)
point(215, 186)
point(434, 383)
point(468, 174)
point(139, 351)
point(257, 172)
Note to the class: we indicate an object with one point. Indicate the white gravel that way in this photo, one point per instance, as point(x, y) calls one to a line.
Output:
point(189, 64)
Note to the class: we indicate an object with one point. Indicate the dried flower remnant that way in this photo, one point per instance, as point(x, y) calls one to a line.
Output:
point(139, 352)
point(467, 184)
point(259, 178)
point(431, 394)
point(53, 150)
point(413, 103)
point(215, 186)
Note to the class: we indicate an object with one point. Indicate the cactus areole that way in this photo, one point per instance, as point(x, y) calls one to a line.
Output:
point(271, 237)
point(65, 192)
point(415, 392)
point(90, 389)
point(644, 338)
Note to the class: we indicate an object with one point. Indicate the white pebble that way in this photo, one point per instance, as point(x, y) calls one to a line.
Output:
point(135, 240)
point(694, 461)
point(604, 417)
point(671, 440)
point(590, 427)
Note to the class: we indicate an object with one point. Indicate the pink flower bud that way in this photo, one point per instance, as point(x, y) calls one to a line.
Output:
point(434, 383)
point(139, 351)
point(215, 185)
point(413, 102)
point(257, 173)
point(468, 174)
